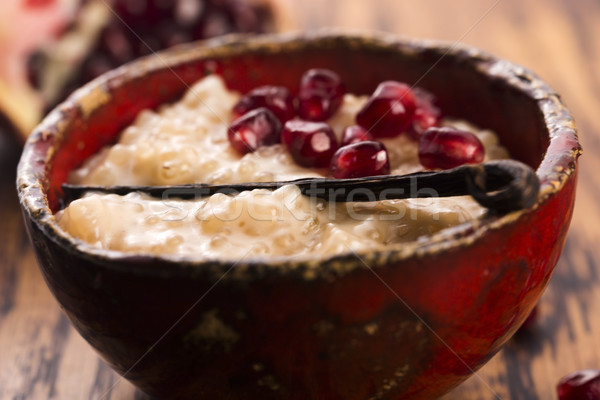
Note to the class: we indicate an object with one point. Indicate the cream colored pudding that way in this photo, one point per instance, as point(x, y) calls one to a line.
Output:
point(186, 142)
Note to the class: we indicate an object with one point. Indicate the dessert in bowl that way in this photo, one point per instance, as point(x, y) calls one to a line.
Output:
point(410, 319)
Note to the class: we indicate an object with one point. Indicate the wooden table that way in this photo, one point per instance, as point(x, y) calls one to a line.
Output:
point(42, 357)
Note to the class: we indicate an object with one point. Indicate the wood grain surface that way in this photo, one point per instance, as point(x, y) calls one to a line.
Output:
point(42, 357)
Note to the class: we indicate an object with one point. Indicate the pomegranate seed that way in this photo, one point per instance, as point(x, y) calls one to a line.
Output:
point(447, 147)
point(355, 134)
point(360, 159)
point(580, 385)
point(320, 95)
point(276, 98)
point(311, 144)
point(257, 128)
point(389, 111)
point(427, 114)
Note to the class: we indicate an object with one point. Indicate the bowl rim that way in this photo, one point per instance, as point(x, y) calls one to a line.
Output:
point(553, 171)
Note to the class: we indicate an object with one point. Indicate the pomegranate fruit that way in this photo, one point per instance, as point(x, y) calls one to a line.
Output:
point(320, 95)
point(311, 144)
point(360, 159)
point(443, 148)
point(580, 385)
point(390, 110)
point(354, 134)
point(256, 128)
point(276, 98)
point(114, 32)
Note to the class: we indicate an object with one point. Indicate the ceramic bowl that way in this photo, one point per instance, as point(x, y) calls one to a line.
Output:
point(410, 322)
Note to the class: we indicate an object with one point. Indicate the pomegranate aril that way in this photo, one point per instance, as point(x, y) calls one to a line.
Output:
point(311, 144)
point(427, 114)
point(354, 134)
point(443, 148)
point(360, 159)
point(320, 95)
point(390, 110)
point(276, 98)
point(257, 128)
point(580, 385)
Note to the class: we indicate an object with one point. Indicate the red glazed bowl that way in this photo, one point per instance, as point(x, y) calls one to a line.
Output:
point(410, 322)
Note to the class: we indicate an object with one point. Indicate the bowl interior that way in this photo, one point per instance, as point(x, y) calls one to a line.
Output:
point(460, 79)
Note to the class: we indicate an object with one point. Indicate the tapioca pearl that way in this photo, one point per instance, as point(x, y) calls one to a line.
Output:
point(179, 128)
point(335, 241)
point(119, 155)
point(84, 216)
point(252, 231)
point(369, 229)
point(259, 249)
point(132, 207)
point(166, 168)
point(246, 168)
point(221, 176)
point(173, 173)
point(103, 175)
point(294, 203)
point(144, 154)
point(268, 151)
point(207, 166)
point(218, 242)
point(263, 176)
point(310, 226)
point(204, 92)
point(462, 215)
point(151, 219)
point(174, 216)
point(261, 211)
point(176, 166)
point(398, 233)
point(285, 159)
point(131, 135)
point(146, 119)
point(211, 224)
point(286, 243)
point(286, 194)
point(174, 240)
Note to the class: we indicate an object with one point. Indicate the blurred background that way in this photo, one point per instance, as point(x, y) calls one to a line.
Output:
point(43, 357)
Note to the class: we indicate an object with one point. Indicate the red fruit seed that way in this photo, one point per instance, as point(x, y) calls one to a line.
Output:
point(443, 148)
point(390, 110)
point(427, 115)
point(276, 98)
point(311, 144)
point(320, 95)
point(355, 134)
point(257, 128)
point(580, 385)
point(360, 159)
